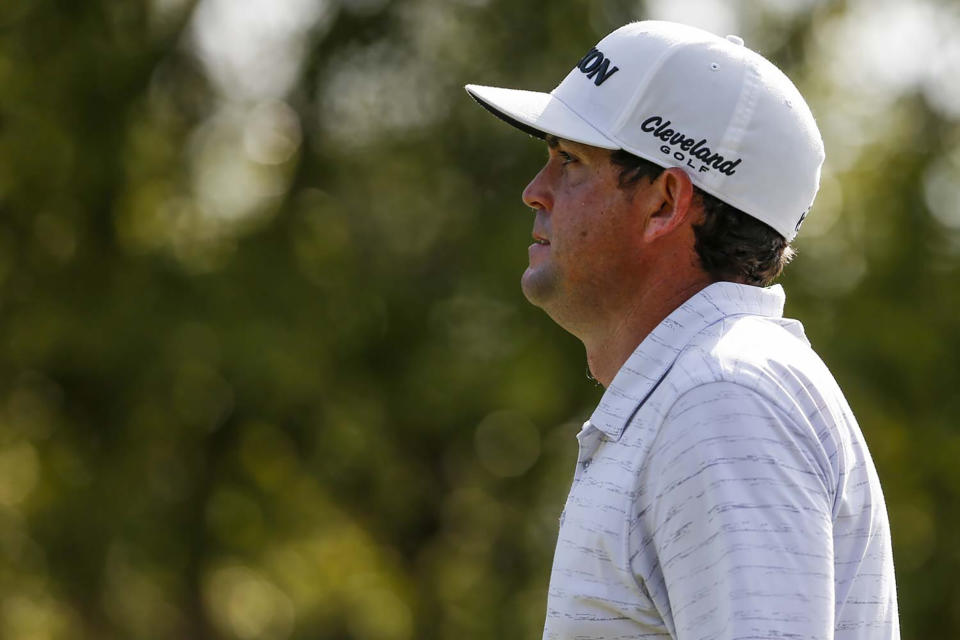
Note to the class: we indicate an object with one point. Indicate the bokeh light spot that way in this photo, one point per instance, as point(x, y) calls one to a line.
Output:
point(272, 133)
point(247, 606)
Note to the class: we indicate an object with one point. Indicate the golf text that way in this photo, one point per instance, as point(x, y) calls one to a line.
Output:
point(684, 148)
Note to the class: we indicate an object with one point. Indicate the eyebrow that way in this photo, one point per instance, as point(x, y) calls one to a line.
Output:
point(552, 141)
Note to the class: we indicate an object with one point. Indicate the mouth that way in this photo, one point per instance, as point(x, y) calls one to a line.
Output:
point(539, 249)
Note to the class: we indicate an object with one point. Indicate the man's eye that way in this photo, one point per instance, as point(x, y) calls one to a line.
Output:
point(565, 157)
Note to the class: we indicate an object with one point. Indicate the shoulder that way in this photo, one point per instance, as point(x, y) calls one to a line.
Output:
point(753, 384)
point(768, 356)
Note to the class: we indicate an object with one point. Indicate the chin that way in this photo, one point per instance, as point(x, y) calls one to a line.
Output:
point(539, 287)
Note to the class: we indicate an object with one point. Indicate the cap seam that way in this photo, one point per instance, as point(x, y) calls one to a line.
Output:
point(631, 104)
point(577, 113)
point(731, 143)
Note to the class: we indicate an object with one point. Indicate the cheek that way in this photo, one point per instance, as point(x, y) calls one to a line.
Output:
point(604, 225)
point(592, 244)
point(596, 222)
point(608, 239)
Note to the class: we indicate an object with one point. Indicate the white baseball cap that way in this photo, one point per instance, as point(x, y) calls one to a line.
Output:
point(682, 97)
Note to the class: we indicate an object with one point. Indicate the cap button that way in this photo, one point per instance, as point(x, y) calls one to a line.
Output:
point(737, 40)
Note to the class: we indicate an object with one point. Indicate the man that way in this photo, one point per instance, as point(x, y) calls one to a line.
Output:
point(723, 488)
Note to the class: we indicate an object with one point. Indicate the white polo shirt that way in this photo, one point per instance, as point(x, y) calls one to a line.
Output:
point(723, 490)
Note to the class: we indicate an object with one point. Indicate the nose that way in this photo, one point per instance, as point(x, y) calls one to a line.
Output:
point(537, 195)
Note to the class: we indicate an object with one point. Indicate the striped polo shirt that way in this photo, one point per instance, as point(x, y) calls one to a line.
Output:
point(723, 490)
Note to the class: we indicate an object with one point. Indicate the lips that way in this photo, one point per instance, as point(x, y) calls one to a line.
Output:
point(539, 250)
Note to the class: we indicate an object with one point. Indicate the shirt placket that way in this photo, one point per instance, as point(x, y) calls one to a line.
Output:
point(589, 440)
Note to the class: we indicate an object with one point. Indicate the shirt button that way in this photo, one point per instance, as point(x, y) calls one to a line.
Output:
point(586, 464)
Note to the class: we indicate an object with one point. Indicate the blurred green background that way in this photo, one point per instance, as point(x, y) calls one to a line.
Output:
point(265, 368)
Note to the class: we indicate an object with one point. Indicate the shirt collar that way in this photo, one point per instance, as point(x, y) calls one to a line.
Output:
point(651, 360)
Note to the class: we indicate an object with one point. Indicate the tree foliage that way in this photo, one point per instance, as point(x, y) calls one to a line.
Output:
point(265, 369)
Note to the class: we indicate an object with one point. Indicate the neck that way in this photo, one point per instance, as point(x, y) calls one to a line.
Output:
point(610, 343)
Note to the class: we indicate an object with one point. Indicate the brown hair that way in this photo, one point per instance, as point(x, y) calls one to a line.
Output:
point(731, 245)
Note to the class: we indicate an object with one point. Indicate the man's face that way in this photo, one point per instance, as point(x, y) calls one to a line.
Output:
point(586, 232)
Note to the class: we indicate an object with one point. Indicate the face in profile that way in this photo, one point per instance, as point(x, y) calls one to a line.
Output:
point(585, 231)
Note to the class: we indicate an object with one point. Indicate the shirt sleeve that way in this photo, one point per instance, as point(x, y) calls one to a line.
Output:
point(738, 520)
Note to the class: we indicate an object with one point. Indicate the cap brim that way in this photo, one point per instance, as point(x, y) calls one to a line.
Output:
point(538, 114)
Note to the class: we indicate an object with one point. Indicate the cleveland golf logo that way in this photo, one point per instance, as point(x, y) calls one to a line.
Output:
point(684, 148)
point(596, 66)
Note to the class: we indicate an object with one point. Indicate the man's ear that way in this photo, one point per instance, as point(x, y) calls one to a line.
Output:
point(675, 191)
